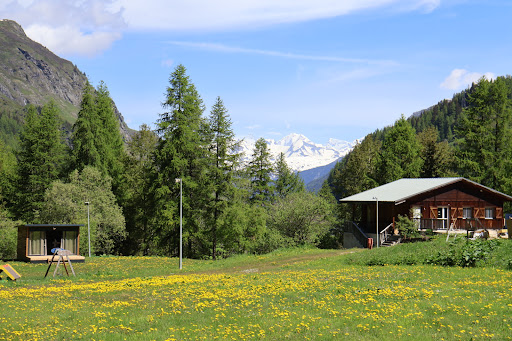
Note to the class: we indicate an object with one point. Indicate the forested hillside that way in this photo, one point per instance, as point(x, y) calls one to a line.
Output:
point(469, 136)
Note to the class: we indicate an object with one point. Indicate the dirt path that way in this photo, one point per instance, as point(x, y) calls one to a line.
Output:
point(268, 264)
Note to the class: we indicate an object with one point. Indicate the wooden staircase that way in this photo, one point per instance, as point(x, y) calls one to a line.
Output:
point(391, 240)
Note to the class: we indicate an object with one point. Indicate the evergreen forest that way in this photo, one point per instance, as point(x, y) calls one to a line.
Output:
point(468, 136)
point(191, 162)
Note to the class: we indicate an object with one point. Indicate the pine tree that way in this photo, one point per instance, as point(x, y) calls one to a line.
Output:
point(96, 136)
point(437, 156)
point(399, 156)
point(86, 133)
point(137, 204)
point(109, 144)
point(484, 135)
point(357, 171)
point(287, 181)
point(260, 172)
point(222, 165)
point(40, 159)
point(181, 154)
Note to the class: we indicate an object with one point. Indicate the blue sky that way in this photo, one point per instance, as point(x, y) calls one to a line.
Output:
point(322, 68)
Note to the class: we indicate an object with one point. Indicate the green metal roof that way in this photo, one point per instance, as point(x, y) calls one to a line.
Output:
point(403, 189)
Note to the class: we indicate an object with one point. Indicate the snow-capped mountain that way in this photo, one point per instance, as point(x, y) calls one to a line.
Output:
point(301, 153)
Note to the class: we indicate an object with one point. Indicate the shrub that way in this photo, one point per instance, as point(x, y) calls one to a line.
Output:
point(407, 227)
point(8, 233)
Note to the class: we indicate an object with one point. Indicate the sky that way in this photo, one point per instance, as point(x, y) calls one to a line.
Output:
point(321, 68)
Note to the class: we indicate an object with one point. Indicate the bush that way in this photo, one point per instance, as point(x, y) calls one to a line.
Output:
point(8, 233)
point(407, 227)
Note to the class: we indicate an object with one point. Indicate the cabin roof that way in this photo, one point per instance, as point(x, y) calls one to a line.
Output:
point(403, 189)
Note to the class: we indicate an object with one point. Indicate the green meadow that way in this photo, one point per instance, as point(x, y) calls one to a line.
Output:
point(296, 294)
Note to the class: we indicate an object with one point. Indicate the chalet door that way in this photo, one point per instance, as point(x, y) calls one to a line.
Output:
point(442, 217)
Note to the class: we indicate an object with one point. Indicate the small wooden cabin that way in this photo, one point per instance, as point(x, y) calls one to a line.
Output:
point(437, 204)
point(36, 241)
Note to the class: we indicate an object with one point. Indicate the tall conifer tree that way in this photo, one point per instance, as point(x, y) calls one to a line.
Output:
point(222, 165)
point(96, 137)
point(400, 154)
point(40, 159)
point(137, 204)
point(85, 133)
point(287, 181)
point(260, 171)
point(485, 137)
point(181, 154)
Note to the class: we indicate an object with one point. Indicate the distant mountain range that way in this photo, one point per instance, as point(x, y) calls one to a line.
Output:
point(301, 153)
point(312, 160)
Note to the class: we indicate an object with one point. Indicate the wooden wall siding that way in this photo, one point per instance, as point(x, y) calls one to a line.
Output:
point(456, 201)
point(22, 246)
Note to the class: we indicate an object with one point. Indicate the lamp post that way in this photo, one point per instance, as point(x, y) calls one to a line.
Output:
point(88, 228)
point(377, 219)
point(181, 221)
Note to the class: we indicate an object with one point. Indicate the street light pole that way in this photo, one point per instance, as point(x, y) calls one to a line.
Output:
point(88, 228)
point(377, 219)
point(181, 221)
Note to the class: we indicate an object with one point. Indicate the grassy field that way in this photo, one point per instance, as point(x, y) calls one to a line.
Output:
point(291, 294)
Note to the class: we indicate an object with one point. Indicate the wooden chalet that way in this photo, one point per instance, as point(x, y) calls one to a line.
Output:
point(435, 203)
point(36, 241)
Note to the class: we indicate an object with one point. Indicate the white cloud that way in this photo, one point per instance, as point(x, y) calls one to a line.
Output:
point(460, 78)
point(95, 24)
point(85, 27)
point(70, 40)
point(198, 15)
point(270, 53)
point(254, 127)
point(167, 63)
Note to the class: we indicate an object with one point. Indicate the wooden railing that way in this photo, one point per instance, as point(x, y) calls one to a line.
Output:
point(361, 237)
point(384, 234)
point(462, 224)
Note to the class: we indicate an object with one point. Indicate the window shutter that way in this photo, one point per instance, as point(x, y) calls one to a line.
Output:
point(433, 212)
point(499, 212)
point(479, 213)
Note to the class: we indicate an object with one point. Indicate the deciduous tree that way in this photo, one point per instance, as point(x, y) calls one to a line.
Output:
point(65, 203)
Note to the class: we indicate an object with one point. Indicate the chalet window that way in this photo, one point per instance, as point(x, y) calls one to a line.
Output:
point(467, 213)
point(489, 213)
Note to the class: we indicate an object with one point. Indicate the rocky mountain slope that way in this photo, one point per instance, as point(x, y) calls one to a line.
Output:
point(32, 74)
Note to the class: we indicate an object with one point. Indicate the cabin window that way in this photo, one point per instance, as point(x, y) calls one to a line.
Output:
point(490, 213)
point(467, 213)
point(36, 243)
point(69, 239)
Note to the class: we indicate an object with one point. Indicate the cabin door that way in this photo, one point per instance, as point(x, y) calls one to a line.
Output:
point(442, 217)
point(53, 240)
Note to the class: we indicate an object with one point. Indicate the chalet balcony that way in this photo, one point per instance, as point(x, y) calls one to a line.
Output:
point(470, 224)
